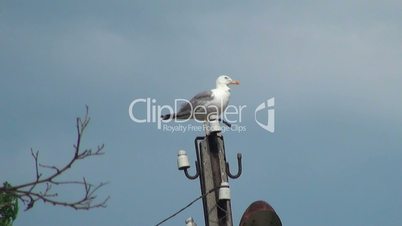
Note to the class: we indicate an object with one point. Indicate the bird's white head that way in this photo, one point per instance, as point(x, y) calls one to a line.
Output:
point(223, 81)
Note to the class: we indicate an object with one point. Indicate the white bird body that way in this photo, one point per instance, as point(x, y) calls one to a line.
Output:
point(206, 104)
point(220, 100)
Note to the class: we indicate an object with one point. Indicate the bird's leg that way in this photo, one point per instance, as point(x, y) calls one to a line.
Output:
point(225, 122)
point(206, 127)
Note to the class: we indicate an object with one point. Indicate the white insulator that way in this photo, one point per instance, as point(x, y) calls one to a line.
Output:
point(182, 160)
point(190, 222)
point(224, 191)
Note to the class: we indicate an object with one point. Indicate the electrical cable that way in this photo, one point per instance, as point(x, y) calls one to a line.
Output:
point(188, 205)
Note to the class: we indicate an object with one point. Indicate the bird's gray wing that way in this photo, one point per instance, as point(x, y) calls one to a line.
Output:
point(200, 99)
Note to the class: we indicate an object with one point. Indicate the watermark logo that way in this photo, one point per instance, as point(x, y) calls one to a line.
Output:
point(147, 110)
point(268, 107)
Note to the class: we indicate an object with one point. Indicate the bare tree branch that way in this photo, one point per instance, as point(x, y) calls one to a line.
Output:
point(41, 187)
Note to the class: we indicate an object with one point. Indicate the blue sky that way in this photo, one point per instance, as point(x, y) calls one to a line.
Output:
point(333, 67)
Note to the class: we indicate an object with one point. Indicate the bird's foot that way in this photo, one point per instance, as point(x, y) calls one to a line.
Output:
point(225, 122)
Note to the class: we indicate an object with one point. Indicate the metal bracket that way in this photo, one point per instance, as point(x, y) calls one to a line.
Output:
point(197, 172)
point(239, 168)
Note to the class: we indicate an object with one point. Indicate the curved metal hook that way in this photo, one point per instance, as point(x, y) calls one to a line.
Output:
point(197, 173)
point(239, 168)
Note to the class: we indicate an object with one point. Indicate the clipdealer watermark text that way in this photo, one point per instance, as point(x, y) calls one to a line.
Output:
point(147, 110)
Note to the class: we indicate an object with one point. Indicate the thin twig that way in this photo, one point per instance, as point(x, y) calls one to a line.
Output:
point(29, 195)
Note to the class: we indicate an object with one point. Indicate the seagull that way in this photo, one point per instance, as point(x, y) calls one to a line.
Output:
point(206, 105)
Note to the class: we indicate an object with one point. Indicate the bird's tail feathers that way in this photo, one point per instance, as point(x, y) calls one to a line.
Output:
point(167, 116)
point(180, 115)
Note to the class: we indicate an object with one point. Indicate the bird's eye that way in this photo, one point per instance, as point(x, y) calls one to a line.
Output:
point(226, 77)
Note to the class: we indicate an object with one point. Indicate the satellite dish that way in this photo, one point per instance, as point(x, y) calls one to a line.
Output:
point(260, 213)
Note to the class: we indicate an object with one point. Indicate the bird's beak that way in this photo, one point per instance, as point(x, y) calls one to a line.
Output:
point(235, 82)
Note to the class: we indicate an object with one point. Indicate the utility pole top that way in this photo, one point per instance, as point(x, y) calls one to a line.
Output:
point(214, 173)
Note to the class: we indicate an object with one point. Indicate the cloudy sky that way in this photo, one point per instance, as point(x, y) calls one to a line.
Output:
point(334, 68)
